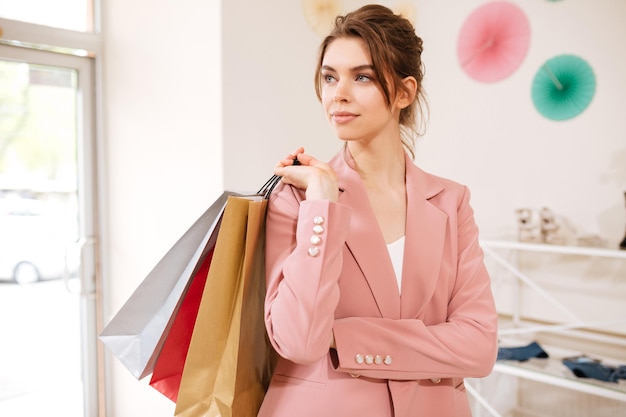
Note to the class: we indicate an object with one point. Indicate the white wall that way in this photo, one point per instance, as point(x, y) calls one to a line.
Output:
point(491, 137)
point(162, 96)
point(270, 106)
point(165, 130)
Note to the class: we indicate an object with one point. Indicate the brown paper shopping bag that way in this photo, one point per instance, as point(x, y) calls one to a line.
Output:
point(230, 361)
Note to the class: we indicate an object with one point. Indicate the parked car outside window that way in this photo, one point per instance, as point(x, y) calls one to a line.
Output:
point(37, 241)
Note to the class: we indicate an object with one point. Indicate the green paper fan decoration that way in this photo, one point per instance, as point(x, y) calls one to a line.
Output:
point(563, 87)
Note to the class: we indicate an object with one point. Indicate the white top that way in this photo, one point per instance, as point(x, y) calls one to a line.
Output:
point(396, 253)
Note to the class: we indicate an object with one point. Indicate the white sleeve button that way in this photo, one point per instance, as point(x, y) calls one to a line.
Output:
point(314, 251)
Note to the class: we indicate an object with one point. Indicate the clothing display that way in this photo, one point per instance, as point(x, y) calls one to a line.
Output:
point(581, 366)
point(585, 367)
point(522, 353)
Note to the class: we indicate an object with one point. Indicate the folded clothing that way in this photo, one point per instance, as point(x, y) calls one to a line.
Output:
point(585, 367)
point(522, 353)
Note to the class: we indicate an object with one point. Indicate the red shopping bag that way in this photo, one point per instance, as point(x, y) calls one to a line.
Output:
point(168, 369)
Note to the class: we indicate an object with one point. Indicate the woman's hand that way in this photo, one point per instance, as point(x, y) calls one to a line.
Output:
point(317, 178)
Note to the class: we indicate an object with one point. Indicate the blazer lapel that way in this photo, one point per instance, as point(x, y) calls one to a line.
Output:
point(425, 238)
point(424, 242)
point(366, 242)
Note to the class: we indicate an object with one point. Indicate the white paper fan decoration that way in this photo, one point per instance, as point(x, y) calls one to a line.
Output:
point(320, 14)
point(406, 10)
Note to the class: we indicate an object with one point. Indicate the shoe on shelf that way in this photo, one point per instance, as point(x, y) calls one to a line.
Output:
point(522, 353)
point(585, 367)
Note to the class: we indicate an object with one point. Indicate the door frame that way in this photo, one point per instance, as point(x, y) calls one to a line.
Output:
point(90, 294)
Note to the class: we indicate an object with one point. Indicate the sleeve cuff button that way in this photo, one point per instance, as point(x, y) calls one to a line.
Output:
point(314, 251)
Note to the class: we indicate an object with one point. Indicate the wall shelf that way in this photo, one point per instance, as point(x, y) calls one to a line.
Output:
point(492, 250)
point(518, 330)
point(556, 249)
point(552, 371)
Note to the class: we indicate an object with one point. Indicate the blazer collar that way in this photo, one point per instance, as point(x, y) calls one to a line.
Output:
point(425, 232)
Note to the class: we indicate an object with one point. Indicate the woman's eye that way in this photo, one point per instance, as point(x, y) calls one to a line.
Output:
point(363, 78)
point(329, 78)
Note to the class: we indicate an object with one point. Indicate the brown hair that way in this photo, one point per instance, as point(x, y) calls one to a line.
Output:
point(396, 53)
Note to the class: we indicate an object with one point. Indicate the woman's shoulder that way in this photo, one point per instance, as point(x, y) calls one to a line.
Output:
point(432, 184)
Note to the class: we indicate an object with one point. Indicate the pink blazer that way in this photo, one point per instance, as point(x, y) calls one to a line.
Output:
point(397, 355)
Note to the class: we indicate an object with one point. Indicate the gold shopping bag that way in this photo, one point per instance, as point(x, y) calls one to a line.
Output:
point(230, 361)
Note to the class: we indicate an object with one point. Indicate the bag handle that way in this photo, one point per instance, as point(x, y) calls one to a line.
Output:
point(268, 187)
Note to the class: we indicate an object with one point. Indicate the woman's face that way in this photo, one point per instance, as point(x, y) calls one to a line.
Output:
point(351, 96)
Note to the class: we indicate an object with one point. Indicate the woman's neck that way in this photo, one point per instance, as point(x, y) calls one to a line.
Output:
point(383, 174)
point(379, 166)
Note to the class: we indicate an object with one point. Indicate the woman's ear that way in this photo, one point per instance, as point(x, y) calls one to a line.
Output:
point(407, 94)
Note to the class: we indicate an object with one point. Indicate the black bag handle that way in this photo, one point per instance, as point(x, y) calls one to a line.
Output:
point(268, 187)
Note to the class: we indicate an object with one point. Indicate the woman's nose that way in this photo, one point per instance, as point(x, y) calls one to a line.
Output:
point(342, 91)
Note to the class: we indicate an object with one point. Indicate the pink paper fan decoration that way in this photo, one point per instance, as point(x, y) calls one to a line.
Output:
point(493, 41)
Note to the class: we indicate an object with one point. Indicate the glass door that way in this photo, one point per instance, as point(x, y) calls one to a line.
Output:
point(48, 309)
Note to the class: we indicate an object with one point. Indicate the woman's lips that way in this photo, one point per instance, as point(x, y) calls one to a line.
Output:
point(341, 117)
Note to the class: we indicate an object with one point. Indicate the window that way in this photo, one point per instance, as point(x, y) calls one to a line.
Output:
point(65, 14)
point(48, 296)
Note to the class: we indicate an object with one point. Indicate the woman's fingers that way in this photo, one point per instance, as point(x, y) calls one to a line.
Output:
point(305, 159)
point(288, 160)
point(295, 154)
point(317, 178)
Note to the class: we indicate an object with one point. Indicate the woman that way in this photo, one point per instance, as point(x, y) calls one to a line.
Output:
point(378, 302)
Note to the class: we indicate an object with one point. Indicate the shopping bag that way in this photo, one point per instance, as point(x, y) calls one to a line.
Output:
point(169, 365)
point(230, 361)
point(168, 369)
point(137, 332)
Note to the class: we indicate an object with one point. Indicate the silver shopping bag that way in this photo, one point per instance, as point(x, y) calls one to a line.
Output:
point(137, 332)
